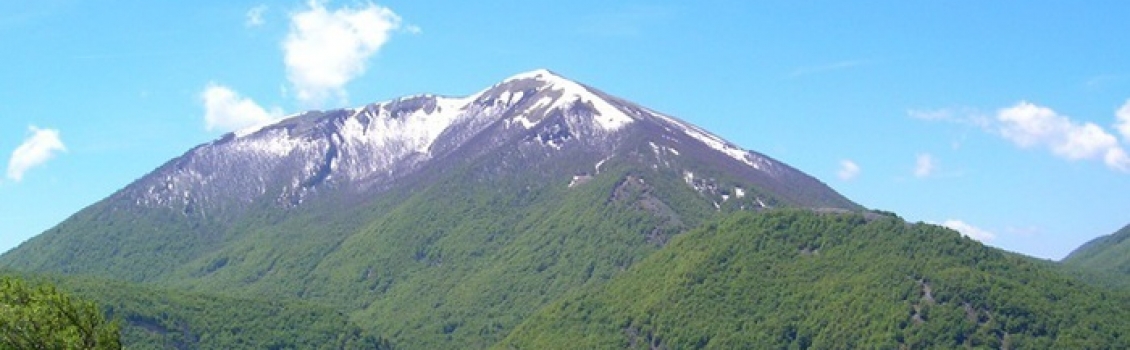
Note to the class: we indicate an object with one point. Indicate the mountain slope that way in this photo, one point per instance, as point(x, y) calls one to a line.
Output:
point(460, 216)
point(153, 318)
point(1105, 259)
point(796, 279)
point(321, 162)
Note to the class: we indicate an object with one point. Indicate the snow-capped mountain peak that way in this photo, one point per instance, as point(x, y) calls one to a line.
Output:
point(538, 74)
point(366, 149)
point(559, 93)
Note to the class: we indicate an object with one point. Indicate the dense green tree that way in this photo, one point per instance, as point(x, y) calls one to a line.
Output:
point(796, 280)
point(157, 318)
point(38, 316)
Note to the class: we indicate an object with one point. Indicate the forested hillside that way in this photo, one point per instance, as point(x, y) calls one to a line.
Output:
point(154, 318)
point(1104, 260)
point(778, 279)
point(796, 279)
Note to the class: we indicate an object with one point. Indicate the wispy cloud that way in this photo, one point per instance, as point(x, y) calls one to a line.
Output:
point(1024, 231)
point(326, 49)
point(827, 68)
point(957, 115)
point(225, 110)
point(970, 231)
point(925, 166)
point(40, 146)
point(1100, 81)
point(848, 170)
point(255, 16)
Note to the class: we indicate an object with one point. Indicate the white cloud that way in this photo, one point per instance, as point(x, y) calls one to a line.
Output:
point(969, 230)
point(925, 166)
point(1123, 121)
point(1028, 125)
point(325, 50)
point(226, 110)
point(961, 115)
point(848, 170)
point(255, 16)
point(37, 149)
point(1116, 158)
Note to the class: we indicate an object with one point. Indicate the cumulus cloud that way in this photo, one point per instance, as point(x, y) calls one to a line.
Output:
point(255, 16)
point(225, 110)
point(1031, 126)
point(40, 146)
point(1028, 125)
point(848, 170)
point(1123, 121)
point(325, 49)
point(925, 166)
point(969, 230)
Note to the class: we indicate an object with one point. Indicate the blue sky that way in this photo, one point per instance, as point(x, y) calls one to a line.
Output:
point(1008, 120)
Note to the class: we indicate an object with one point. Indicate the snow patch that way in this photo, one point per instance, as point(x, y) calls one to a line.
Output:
point(526, 123)
point(601, 162)
point(715, 142)
point(274, 142)
point(579, 180)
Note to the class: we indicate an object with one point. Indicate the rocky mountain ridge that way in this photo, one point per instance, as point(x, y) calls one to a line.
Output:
point(369, 148)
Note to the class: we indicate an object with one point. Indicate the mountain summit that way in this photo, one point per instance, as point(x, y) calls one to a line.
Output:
point(367, 149)
point(458, 215)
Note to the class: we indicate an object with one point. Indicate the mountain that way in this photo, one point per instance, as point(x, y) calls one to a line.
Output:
point(795, 279)
point(436, 221)
point(1105, 260)
point(537, 213)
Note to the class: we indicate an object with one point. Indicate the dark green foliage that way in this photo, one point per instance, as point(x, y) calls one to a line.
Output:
point(459, 265)
point(37, 316)
point(796, 279)
point(153, 318)
point(155, 242)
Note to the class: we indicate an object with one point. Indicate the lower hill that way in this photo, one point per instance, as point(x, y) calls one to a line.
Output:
point(804, 280)
point(1104, 260)
point(153, 318)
